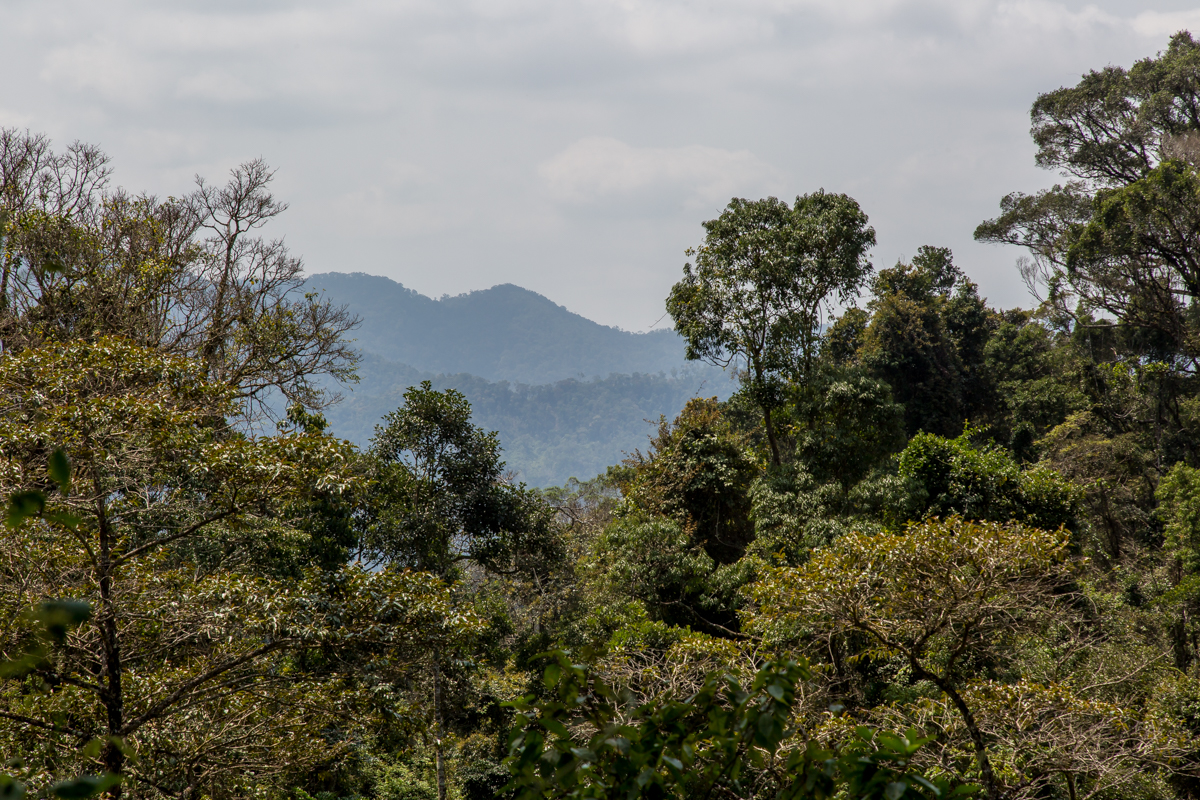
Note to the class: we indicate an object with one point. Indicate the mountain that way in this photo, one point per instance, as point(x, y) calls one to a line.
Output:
point(530, 368)
point(505, 333)
point(549, 432)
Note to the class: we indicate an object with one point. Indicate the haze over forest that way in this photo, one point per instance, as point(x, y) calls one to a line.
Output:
point(568, 397)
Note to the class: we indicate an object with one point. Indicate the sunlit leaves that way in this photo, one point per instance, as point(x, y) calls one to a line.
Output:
point(587, 740)
point(165, 520)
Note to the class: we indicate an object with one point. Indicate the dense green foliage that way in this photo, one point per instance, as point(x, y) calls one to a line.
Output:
point(753, 300)
point(723, 739)
point(932, 549)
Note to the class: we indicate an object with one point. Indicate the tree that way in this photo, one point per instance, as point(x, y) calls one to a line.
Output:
point(1031, 373)
point(217, 675)
point(761, 278)
point(926, 338)
point(666, 573)
point(725, 740)
point(52, 621)
point(983, 482)
point(1117, 240)
point(441, 499)
point(698, 473)
point(187, 276)
point(1050, 740)
point(848, 427)
point(943, 596)
point(440, 504)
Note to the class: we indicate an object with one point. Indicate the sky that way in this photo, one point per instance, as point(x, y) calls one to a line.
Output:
point(572, 147)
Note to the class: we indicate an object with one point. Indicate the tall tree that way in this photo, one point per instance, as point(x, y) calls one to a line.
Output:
point(219, 675)
point(926, 338)
point(1118, 240)
point(759, 283)
point(942, 596)
point(441, 503)
point(190, 276)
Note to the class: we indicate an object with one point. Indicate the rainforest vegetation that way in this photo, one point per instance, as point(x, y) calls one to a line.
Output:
point(928, 548)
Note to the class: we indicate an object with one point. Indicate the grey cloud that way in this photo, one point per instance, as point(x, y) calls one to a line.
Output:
point(572, 146)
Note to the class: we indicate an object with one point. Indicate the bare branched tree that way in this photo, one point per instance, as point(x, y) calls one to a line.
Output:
point(189, 276)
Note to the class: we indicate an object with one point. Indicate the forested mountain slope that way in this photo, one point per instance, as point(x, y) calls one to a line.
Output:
point(550, 432)
point(503, 333)
point(529, 368)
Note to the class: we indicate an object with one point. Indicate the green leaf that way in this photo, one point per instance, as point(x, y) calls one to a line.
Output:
point(84, 786)
point(933, 788)
point(22, 505)
point(68, 521)
point(11, 788)
point(552, 674)
point(60, 469)
point(59, 616)
point(22, 665)
point(556, 727)
point(895, 790)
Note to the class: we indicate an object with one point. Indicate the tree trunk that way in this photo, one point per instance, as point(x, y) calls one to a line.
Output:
point(990, 784)
point(438, 730)
point(775, 459)
point(112, 756)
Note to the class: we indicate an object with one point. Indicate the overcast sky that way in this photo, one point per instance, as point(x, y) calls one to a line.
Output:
point(572, 148)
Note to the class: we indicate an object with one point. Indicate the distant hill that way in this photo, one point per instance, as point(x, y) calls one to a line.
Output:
point(549, 432)
point(505, 333)
point(568, 396)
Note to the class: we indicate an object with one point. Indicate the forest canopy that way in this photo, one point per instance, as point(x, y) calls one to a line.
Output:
point(927, 549)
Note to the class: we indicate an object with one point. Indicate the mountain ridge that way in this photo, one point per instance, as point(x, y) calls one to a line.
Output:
point(567, 395)
point(502, 333)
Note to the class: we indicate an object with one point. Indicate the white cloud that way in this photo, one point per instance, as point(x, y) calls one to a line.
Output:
point(1162, 24)
point(598, 167)
point(659, 28)
point(218, 86)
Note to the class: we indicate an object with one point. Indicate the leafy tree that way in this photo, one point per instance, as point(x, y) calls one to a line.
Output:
point(440, 498)
point(1048, 739)
point(1117, 446)
point(926, 338)
point(658, 565)
point(1133, 259)
point(1179, 510)
point(759, 283)
point(698, 473)
point(794, 513)
point(725, 740)
point(1032, 373)
point(846, 426)
point(1179, 498)
point(218, 678)
point(1116, 240)
point(683, 525)
point(958, 478)
point(187, 276)
point(52, 619)
point(942, 596)
point(440, 502)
